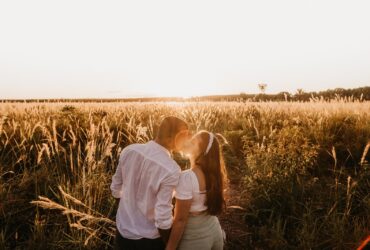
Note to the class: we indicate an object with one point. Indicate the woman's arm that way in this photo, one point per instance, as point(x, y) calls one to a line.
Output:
point(182, 208)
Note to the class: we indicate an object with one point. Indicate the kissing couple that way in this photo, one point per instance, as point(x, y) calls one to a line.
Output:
point(146, 179)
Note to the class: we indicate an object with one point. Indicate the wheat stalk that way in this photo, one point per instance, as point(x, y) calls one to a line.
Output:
point(93, 225)
point(366, 150)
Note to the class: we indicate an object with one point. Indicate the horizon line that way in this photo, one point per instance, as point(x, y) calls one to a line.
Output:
point(176, 97)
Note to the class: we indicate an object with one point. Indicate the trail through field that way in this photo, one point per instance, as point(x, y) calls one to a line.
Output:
point(232, 220)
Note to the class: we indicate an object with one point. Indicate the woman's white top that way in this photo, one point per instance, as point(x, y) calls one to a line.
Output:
point(188, 188)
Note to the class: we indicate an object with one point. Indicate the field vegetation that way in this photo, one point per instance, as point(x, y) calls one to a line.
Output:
point(299, 172)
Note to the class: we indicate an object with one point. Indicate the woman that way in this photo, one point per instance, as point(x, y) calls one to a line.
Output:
point(200, 197)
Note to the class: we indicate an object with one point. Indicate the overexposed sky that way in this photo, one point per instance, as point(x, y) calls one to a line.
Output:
point(81, 49)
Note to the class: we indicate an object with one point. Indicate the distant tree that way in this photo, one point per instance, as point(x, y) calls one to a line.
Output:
point(243, 96)
point(300, 95)
point(282, 96)
point(339, 91)
point(262, 87)
point(300, 91)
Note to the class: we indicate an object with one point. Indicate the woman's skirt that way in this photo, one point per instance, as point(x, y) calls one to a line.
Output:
point(202, 232)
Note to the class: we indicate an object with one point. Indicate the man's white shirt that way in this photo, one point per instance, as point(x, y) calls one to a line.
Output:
point(145, 179)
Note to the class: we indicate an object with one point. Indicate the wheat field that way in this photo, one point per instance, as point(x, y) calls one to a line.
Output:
point(299, 173)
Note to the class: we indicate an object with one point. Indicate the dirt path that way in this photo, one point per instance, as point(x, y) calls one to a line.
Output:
point(232, 220)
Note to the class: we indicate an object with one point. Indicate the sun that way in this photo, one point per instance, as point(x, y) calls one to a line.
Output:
point(173, 92)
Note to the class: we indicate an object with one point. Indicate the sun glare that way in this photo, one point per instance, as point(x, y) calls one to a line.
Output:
point(176, 90)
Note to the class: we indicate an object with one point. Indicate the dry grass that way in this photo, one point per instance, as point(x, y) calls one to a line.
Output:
point(61, 156)
point(92, 222)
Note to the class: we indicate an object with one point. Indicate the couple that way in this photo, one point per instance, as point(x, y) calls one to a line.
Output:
point(144, 183)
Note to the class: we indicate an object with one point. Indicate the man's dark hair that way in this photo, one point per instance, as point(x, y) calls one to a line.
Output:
point(170, 126)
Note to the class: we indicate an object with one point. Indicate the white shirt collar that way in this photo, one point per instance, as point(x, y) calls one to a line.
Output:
point(160, 147)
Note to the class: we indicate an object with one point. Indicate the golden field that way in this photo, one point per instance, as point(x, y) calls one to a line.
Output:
point(299, 172)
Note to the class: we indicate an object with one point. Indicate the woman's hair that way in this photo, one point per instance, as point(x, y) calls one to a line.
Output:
point(213, 167)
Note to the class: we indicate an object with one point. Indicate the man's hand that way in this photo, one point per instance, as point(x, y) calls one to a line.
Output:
point(165, 234)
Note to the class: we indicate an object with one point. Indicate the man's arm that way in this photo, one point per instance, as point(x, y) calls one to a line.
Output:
point(117, 180)
point(184, 196)
point(182, 209)
point(163, 207)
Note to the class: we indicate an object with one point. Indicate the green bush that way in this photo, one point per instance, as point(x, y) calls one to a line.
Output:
point(291, 208)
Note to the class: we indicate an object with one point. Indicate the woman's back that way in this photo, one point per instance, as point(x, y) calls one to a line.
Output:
point(192, 187)
point(202, 231)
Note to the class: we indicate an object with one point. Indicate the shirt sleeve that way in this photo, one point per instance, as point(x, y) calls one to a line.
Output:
point(117, 179)
point(184, 190)
point(163, 207)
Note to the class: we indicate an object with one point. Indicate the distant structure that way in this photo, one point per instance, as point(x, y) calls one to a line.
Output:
point(262, 87)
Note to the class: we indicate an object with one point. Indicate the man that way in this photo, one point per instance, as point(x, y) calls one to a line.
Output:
point(144, 181)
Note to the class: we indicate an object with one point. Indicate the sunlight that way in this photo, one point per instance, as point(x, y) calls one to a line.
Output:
point(139, 50)
point(177, 90)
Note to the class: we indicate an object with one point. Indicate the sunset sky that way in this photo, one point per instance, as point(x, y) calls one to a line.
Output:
point(109, 49)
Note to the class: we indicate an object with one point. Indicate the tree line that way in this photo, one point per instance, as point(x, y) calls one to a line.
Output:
point(359, 94)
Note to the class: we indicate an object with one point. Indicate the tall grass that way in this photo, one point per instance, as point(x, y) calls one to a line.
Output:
point(302, 169)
